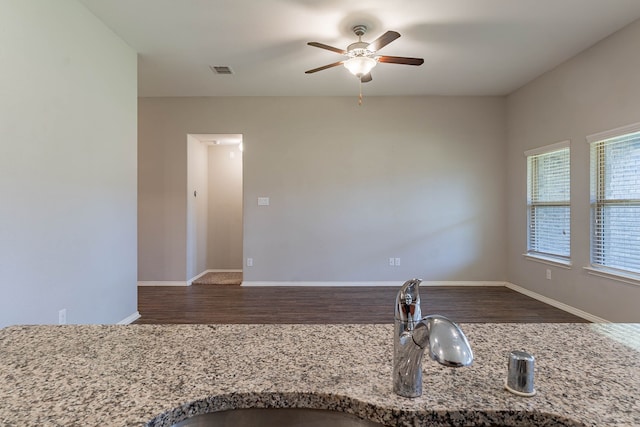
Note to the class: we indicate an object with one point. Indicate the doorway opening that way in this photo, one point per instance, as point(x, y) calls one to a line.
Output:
point(214, 208)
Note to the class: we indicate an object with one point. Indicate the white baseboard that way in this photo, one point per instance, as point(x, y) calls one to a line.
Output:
point(379, 283)
point(321, 284)
point(462, 283)
point(162, 283)
point(130, 319)
point(557, 304)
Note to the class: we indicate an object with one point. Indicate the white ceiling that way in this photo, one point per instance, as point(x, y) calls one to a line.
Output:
point(470, 47)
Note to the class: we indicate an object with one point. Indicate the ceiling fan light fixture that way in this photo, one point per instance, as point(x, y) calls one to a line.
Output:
point(360, 65)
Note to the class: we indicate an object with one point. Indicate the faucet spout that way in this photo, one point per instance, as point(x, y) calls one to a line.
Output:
point(444, 340)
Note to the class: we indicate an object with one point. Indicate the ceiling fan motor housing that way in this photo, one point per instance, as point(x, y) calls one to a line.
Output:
point(358, 49)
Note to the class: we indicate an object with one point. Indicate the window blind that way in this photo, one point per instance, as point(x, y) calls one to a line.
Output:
point(615, 202)
point(548, 202)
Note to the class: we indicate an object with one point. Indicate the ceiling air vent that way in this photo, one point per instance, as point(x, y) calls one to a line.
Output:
point(221, 69)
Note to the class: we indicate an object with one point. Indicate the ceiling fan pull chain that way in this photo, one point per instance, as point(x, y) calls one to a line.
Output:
point(360, 96)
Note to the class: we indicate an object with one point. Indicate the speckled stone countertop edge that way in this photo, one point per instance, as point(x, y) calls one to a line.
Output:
point(158, 375)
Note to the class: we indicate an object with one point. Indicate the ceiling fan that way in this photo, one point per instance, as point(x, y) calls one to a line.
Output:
point(361, 56)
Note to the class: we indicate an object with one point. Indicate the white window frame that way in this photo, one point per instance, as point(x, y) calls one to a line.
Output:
point(596, 268)
point(561, 260)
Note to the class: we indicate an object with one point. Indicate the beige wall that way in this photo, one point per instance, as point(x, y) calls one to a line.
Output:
point(67, 166)
point(595, 91)
point(418, 178)
point(224, 237)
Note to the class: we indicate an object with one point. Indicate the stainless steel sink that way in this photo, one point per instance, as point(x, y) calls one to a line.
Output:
point(266, 417)
point(299, 417)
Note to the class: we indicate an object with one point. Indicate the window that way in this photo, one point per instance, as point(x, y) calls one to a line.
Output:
point(548, 202)
point(615, 200)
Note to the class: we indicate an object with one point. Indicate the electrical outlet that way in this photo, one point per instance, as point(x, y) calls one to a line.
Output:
point(397, 262)
point(392, 262)
point(249, 262)
point(62, 317)
point(548, 274)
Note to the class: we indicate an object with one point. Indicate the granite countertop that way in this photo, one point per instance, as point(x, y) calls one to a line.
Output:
point(137, 375)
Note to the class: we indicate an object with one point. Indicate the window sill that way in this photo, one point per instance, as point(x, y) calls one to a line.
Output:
point(630, 278)
point(549, 260)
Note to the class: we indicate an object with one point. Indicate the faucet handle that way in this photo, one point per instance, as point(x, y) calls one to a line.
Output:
point(408, 302)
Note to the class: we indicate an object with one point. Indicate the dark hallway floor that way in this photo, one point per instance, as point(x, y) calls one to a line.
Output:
point(338, 305)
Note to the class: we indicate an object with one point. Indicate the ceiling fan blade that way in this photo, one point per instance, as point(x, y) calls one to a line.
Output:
point(324, 67)
point(383, 40)
point(400, 60)
point(326, 46)
point(366, 78)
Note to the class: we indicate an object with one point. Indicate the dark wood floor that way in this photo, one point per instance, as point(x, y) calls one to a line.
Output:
point(236, 304)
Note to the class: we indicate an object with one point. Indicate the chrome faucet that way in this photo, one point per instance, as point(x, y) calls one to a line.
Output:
point(413, 334)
